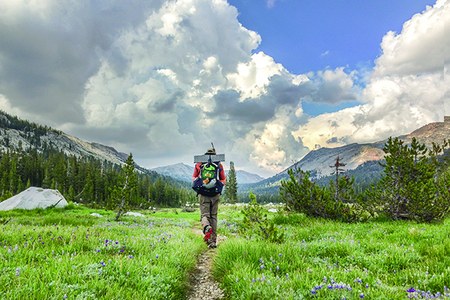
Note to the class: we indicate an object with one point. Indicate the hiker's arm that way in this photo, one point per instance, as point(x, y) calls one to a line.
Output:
point(196, 173)
point(222, 177)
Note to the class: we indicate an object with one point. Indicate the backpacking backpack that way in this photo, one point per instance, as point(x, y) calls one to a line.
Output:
point(208, 172)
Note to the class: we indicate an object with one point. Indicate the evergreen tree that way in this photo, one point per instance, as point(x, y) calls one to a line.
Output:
point(231, 187)
point(127, 188)
point(413, 183)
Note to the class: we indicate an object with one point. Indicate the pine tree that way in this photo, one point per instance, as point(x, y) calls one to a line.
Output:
point(231, 187)
point(127, 188)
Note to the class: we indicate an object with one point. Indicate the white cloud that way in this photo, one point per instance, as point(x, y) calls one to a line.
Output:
point(162, 79)
point(407, 89)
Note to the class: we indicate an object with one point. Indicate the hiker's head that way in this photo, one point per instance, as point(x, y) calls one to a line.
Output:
point(210, 151)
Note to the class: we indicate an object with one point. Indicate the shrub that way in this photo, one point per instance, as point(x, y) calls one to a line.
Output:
point(415, 184)
point(300, 194)
point(256, 223)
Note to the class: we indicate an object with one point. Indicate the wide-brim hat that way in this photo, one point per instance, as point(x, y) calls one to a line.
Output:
point(210, 151)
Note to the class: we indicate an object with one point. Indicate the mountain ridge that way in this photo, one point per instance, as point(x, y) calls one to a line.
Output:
point(321, 162)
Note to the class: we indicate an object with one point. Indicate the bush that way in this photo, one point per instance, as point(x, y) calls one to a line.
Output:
point(302, 195)
point(256, 223)
point(415, 184)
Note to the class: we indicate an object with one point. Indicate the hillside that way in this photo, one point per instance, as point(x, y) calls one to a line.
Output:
point(17, 134)
point(361, 159)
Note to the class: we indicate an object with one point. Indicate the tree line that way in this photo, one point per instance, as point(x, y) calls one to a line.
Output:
point(414, 184)
point(85, 180)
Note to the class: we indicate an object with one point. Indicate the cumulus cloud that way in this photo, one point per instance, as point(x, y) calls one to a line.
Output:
point(408, 87)
point(49, 49)
point(162, 79)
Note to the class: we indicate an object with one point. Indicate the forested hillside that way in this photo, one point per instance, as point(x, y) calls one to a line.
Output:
point(81, 178)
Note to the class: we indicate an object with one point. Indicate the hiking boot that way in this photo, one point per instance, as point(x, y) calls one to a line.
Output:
point(212, 245)
point(208, 231)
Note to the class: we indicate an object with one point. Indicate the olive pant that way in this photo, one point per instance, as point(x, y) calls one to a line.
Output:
point(208, 212)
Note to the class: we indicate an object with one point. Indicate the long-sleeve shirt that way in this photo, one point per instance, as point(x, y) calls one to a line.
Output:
point(197, 173)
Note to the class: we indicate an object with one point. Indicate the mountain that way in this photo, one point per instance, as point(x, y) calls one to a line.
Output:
point(178, 171)
point(17, 134)
point(244, 177)
point(184, 172)
point(361, 160)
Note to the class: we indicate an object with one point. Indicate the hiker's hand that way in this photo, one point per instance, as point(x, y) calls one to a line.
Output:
point(211, 184)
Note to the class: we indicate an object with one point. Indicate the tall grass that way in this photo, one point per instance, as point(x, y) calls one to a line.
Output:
point(69, 254)
point(331, 260)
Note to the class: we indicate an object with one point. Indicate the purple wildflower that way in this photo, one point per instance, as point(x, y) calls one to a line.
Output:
point(411, 290)
point(102, 263)
point(17, 271)
point(361, 296)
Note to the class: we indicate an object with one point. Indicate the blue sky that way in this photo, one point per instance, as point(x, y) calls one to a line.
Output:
point(308, 36)
point(266, 81)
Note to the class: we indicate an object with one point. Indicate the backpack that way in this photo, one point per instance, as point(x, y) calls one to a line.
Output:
point(208, 172)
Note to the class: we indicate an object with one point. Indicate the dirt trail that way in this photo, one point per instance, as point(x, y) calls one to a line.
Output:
point(203, 285)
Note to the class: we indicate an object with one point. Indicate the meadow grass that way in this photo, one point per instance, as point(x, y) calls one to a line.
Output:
point(323, 259)
point(69, 254)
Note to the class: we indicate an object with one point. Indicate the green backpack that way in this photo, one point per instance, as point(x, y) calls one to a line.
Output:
point(209, 171)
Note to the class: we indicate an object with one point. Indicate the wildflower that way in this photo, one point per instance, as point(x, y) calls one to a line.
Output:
point(358, 280)
point(411, 290)
point(313, 291)
point(65, 296)
point(361, 296)
point(157, 256)
point(17, 271)
point(102, 263)
point(261, 267)
point(130, 256)
point(367, 285)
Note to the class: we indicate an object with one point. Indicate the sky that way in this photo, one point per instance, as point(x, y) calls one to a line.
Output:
point(265, 80)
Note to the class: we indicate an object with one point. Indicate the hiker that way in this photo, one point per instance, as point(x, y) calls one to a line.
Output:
point(208, 180)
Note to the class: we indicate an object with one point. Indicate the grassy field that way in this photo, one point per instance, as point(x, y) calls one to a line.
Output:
point(70, 254)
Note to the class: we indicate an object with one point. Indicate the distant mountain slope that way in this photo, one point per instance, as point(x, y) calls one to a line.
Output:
point(178, 171)
point(17, 134)
point(184, 172)
point(244, 177)
point(361, 159)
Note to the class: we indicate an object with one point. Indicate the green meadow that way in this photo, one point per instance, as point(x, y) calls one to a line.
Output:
point(71, 254)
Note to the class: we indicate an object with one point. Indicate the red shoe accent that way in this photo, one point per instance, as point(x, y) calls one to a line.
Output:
point(208, 234)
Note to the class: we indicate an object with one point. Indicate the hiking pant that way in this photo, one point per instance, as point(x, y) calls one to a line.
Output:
point(208, 212)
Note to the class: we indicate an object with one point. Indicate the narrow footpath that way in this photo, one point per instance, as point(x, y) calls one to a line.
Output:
point(203, 285)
